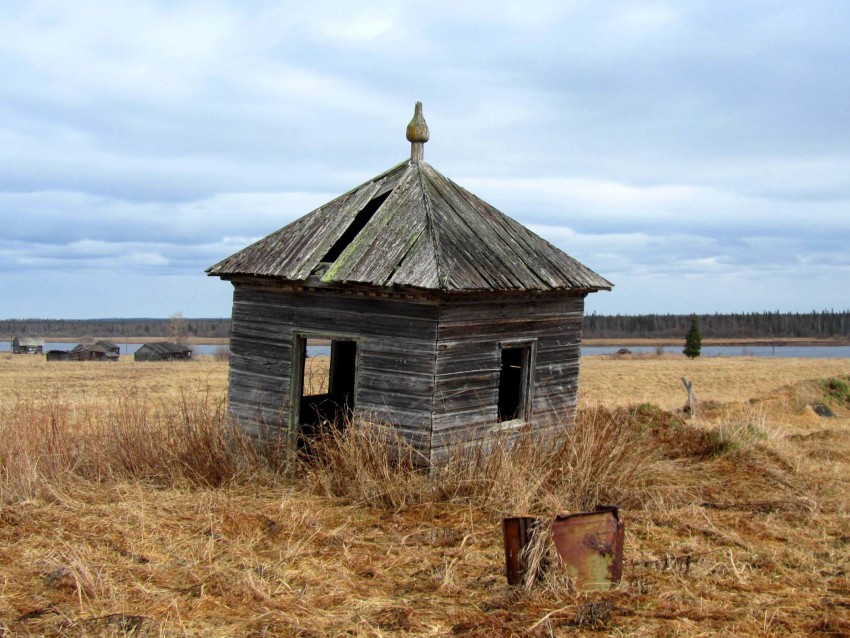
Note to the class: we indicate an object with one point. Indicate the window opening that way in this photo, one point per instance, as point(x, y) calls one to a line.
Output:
point(359, 223)
point(326, 384)
point(513, 383)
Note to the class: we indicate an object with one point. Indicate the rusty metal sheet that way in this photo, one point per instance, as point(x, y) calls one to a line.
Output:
point(518, 533)
point(590, 545)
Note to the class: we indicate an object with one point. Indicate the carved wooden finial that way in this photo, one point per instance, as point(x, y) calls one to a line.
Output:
point(417, 134)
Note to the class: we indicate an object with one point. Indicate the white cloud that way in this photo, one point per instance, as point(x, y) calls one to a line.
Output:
point(658, 142)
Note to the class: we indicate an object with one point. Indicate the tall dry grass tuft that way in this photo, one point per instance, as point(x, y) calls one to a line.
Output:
point(187, 439)
point(365, 463)
point(47, 439)
point(603, 459)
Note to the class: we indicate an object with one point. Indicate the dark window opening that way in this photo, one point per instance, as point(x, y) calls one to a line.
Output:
point(513, 383)
point(326, 384)
point(342, 368)
point(359, 223)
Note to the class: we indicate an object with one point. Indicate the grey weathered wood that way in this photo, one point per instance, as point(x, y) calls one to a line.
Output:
point(692, 397)
point(429, 366)
point(429, 234)
point(468, 363)
point(395, 382)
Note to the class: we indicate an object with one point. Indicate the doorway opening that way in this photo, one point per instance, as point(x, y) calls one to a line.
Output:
point(514, 382)
point(325, 383)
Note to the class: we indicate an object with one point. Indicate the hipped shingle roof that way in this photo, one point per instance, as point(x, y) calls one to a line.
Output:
point(427, 232)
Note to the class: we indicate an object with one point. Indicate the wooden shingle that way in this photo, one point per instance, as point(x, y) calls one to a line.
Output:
point(427, 233)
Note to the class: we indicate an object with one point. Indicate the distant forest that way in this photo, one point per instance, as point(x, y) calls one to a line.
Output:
point(753, 325)
point(77, 328)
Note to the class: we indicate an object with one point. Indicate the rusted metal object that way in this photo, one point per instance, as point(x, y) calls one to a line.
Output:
point(518, 534)
point(590, 545)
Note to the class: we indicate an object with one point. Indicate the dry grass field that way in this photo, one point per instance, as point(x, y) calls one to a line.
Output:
point(128, 508)
point(618, 381)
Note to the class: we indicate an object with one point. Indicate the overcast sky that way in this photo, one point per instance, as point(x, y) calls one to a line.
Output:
point(697, 154)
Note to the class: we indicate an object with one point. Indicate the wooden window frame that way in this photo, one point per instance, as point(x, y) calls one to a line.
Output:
point(529, 362)
point(296, 376)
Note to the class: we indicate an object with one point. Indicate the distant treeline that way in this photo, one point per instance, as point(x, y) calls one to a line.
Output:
point(752, 325)
point(75, 328)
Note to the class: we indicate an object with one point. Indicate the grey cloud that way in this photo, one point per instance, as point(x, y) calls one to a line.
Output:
point(652, 140)
point(65, 218)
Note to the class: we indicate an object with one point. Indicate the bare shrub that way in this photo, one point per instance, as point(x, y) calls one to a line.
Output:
point(316, 375)
point(221, 353)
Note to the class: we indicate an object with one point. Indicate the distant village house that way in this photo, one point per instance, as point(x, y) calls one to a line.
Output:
point(27, 345)
point(99, 351)
point(162, 351)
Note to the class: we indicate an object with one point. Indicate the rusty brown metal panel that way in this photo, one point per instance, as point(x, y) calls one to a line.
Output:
point(590, 546)
point(518, 532)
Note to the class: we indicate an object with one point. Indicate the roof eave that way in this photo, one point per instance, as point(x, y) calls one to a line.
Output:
point(316, 283)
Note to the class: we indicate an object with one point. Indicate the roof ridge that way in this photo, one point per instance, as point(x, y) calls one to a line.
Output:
point(442, 279)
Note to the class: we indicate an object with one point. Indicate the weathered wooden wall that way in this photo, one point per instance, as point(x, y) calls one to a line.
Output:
point(395, 355)
point(469, 361)
point(431, 368)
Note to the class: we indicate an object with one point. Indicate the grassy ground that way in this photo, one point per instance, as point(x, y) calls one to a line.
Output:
point(128, 509)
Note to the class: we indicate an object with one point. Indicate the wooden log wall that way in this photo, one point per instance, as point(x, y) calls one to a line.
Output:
point(430, 368)
point(395, 339)
point(469, 362)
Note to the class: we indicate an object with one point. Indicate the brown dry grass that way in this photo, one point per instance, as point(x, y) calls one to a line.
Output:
point(34, 376)
point(624, 381)
point(128, 508)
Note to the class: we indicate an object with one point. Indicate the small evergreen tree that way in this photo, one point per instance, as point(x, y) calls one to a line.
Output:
point(693, 340)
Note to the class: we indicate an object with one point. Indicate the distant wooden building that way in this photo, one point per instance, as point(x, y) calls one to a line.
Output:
point(100, 351)
point(162, 351)
point(27, 345)
point(58, 355)
point(447, 319)
point(109, 347)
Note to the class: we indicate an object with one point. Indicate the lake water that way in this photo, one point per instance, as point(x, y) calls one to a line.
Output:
point(780, 352)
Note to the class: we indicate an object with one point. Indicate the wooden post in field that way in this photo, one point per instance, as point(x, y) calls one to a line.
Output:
point(692, 397)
